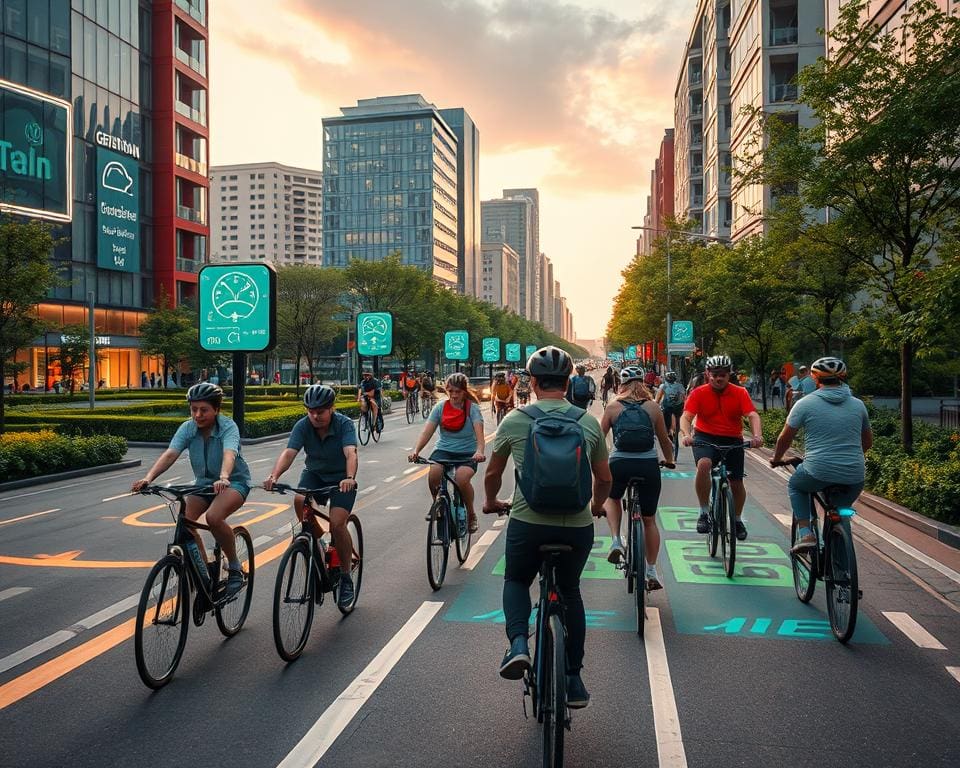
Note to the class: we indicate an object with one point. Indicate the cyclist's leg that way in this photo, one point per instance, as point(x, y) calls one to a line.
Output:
point(735, 459)
point(521, 565)
point(800, 488)
point(223, 505)
point(568, 579)
point(613, 506)
point(464, 477)
point(649, 492)
point(196, 506)
point(340, 507)
point(433, 478)
point(705, 459)
point(309, 479)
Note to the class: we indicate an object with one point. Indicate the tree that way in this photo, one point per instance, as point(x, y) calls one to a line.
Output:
point(883, 156)
point(73, 352)
point(169, 332)
point(26, 277)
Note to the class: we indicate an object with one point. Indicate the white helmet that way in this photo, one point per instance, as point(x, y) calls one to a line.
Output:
point(719, 361)
point(829, 368)
point(631, 373)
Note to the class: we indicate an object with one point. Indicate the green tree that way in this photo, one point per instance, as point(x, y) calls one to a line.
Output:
point(73, 353)
point(26, 277)
point(169, 332)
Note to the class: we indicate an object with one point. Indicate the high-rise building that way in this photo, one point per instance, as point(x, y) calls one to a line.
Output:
point(500, 276)
point(510, 220)
point(533, 265)
point(468, 198)
point(132, 163)
point(390, 185)
point(546, 291)
point(266, 211)
point(660, 201)
point(557, 309)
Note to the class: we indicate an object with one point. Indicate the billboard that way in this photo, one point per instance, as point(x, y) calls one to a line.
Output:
point(118, 211)
point(238, 307)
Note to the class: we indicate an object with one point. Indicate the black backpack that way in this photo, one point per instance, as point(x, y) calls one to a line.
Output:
point(633, 430)
point(556, 477)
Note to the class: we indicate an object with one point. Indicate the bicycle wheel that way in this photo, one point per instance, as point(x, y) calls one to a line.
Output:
point(713, 534)
point(676, 443)
point(438, 543)
point(410, 409)
point(363, 428)
point(554, 689)
point(162, 621)
point(841, 581)
point(356, 566)
point(640, 575)
point(293, 601)
point(729, 534)
point(628, 555)
point(231, 614)
point(804, 565)
point(425, 406)
point(375, 427)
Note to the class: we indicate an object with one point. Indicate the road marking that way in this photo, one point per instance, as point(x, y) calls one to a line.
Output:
point(784, 519)
point(408, 471)
point(107, 613)
point(912, 629)
point(904, 547)
point(64, 487)
point(27, 517)
point(368, 489)
point(666, 721)
point(955, 671)
point(390, 479)
point(119, 496)
point(282, 529)
point(261, 540)
point(35, 649)
point(499, 523)
point(13, 592)
point(391, 509)
point(68, 562)
point(480, 548)
point(338, 715)
point(257, 461)
point(372, 461)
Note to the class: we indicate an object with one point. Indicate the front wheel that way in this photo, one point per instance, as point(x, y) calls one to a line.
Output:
point(713, 534)
point(293, 601)
point(554, 688)
point(376, 426)
point(425, 406)
point(841, 581)
point(729, 533)
point(639, 573)
point(438, 543)
point(162, 622)
point(410, 409)
point(804, 564)
point(363, 427)
point(356, 565)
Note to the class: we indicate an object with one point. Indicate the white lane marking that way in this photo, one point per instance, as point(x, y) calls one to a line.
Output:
point(35, 649)
point(912, 629)
point(368, 489)
point(480, 548)
point(118, 496)
point(786, 520)
point(408, 448)
point(261, 540)
point(338, 715)
point(412, 469)
point(27, 517)
point(499, 523)
point(391, 509)
point(282, 529)
point(257, 461)
point(390, 479)
point(373, 461)
point(904, 547)
point(666, 720)
point(13, 592)
point(71, 485)
point(955, 671)
point(106, 614)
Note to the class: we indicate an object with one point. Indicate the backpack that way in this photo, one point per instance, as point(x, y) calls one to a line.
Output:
point(633, 430)
point(581, 388)
point(427, 382)
point(556, 477)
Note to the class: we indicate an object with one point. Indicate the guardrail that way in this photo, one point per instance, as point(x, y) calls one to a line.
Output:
point(950, 414)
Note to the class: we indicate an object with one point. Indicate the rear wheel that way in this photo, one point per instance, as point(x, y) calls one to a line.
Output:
point(425, 406)
point(376, 426)
point(231, 614)
point(676, 442)
point(162, 622)
point(363, 427)
point(841, 581)
point(463, 542)
point(356, 564)
point(293, 601)
point(438, 543)
point(640, 575)
point(410, 408)
point(804, 564)
point(729, 533)
point(554, 689)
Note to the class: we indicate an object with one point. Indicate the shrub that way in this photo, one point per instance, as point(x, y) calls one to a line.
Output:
point(43, 452)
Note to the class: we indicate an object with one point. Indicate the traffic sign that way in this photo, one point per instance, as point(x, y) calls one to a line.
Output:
point(531, 348)
point(238, 307)
point(456, 345)
point(618, 356)
point(491, 349)
point(631, 352)
point(512, 353)
point(681, 332)
point(374, 334)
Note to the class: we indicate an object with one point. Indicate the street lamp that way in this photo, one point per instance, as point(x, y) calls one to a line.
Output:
point(670, 233)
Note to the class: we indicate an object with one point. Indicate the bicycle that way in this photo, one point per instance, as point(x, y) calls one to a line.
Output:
point(309, 569)
point(427, 401)
point(833, 560)
point(673, 422)
point(502, 408)
point(604, 396)
point(366, 427)
point(163, 612)
point(447, 519)
point(523, 396)
point(723, 513)
point(411, 407)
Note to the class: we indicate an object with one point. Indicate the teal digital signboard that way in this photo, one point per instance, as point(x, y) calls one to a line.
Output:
point(36, 133)
point(238, 307)
point(631, 352)
point(456, 345)
point(529, 350)
point(512, 353)
point(374, 334)
point(118, 211)
point(491, 349)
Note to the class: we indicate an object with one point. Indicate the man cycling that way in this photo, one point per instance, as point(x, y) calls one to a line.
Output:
point(410, 385)
point(581, 389)
point(837, 434)
point(428, 386)
point(522, 390)
point(502, 394)
point(549, 369)
point(368, 395)
point(329, 440)
point(799, 385)
point(213, 442)
point(719, 407)
point(671, 395)
point(607, 382)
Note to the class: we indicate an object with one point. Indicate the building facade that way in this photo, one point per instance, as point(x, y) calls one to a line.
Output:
point(468, 198)
point(134, 74)
point(546, 292)
point(390, 185)
point(500, 276)
point(266, 211)
point(511, 221)
point(534, 277)
point(660, 202)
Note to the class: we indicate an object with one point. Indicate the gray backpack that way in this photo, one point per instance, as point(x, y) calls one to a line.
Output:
point(633, 430)
point(556, 477)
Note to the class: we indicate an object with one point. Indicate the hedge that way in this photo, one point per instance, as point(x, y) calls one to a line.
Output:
point(30, 454)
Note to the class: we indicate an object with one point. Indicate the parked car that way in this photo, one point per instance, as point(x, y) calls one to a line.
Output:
point(481, 385)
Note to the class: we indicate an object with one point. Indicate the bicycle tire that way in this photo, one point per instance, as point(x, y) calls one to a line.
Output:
point(730, 534)
point(676, 444)
point(438, 543)
point(804, 565)
point(555, 688)
point(293, 601)
point(376, 428)
point(231, 615)
point(425, 407)
point(841, 581)
point(628, 555)
point(463, 543)
point(410, 409)
point(356, 563)
point(713, 534)
point(171, 602)
point(640, 575)
point(363, 428)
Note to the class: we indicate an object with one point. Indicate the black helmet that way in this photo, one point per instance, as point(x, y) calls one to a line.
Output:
point(550, 361)
point(318, 396)
point(204, 391)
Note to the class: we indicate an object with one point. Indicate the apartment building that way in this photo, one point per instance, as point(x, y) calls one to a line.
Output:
point(500, 276)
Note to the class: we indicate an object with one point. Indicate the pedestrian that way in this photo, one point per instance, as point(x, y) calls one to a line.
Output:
point(775, 390)
point(153, 380)
point(143, 379)
point(276, 377)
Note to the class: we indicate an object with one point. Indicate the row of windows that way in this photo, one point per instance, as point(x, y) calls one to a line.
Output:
point(42, 22)
point(95, 109)
point(419, 255)
point(35, 67)
point(349, 131)
point(446, 212)
point(420, 218)
point(382, 183)
point(102, 57)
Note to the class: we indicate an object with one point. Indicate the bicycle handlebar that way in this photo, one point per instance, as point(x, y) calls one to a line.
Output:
point(723, 448)
point(176, 491)
point(794, 461)
point(284, 488)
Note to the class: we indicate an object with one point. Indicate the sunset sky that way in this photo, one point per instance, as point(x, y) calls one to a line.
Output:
point(569, 97)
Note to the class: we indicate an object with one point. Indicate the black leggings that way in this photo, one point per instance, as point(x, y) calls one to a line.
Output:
point(522, 566)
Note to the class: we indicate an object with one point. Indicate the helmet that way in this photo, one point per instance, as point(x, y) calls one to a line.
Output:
point(719, 361)
point(829, 368)
point(631, 373)
point(581, 368)
point(367, 372)
point(318, 396)
point(671, 376)
point(549, 361)
point(500, 375)
point(204, 391)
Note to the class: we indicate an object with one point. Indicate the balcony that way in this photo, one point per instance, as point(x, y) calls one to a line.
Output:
point(696, 109)
point(188, 265)
point(197, 9)
point(191, 214)
point(696, 77)
point(197, 166)
point(198, 66)
point(783, 92)
point(783, 36)
point(197, 115)
point(696, 139)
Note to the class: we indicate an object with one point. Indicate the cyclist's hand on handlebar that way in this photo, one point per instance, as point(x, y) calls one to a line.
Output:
point(479, 457)
point(221, 485)
point(139, 485)
point(269, 483)
point(348, 484)
point(412, 458)
point(496, 507)
point(668, 465)
point(756, 442)
point(597, 510)
point(687, 441)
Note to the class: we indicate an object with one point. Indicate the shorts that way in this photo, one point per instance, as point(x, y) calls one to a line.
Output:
point(312, 479)
point(647, 470)
point(454, 459)
point(242, 488)
point(734, 457)
point(671, 410)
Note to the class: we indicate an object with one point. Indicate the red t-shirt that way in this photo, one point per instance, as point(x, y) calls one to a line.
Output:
point(720, 413)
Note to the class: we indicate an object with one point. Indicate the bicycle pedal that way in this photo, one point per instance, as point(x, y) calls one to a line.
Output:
point(859, 594)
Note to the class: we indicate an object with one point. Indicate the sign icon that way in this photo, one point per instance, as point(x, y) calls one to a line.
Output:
point(530, 349)
point(681, 331)
point(374, 334)
point(237, 307)
point(491, 349)
point(33, 133)
point(631, 352)
point(512, 353)
point(235, 296)
point(456, 345)
point(115, 177)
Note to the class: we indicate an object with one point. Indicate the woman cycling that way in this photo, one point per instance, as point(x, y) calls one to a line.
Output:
point(461, 442)
point(636, 420)
point(502, 394)
point(213, 442)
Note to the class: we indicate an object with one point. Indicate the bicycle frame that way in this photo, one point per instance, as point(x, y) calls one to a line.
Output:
point(550, 603)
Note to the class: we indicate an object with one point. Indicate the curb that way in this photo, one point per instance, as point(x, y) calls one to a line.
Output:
point(41, 479)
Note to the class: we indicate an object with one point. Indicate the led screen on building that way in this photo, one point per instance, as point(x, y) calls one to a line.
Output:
point(118, 211)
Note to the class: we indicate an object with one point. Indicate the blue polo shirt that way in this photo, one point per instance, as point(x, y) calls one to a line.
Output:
point(324, 456)
point(206, 455)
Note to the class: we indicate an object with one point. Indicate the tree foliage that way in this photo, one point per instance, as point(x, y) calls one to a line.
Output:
point(170, 333)
point(309, 301)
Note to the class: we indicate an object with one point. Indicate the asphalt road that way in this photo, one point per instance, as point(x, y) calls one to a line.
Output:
point(744, 675)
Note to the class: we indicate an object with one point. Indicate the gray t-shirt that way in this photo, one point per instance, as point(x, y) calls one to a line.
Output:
point(206, 455)
point(324, 456)
point(833, 421)
point(464, 441)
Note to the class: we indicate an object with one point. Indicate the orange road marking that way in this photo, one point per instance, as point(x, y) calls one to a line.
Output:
point(68, 555)
point(55, 561)
point(134, 518)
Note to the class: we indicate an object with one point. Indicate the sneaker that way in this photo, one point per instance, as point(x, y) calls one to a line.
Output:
point(616, 554)
point(703, 523)
point(741, 531)
point(577, 696)
point(345, 594)
point(653, 579)
point(235, 582)
point(516, 661)
point(805, 544)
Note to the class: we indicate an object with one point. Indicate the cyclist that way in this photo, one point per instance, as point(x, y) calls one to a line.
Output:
point(329, 440)
point(461, 442)
point(549, 368)
point(522, 390)
point(213, 443)
point(428, 386)
point(671, 395)
point(719, 407)
point(607, 382)
point(502, 393)
point(581, 389)
point(411, 386)
point(799, 385)
point(629, 460)
point(837, 434)
point(369, 394)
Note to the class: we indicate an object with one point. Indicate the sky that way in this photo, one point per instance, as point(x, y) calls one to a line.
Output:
point(571, 97)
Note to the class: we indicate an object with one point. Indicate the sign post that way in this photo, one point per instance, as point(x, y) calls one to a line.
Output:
point(456, 346)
